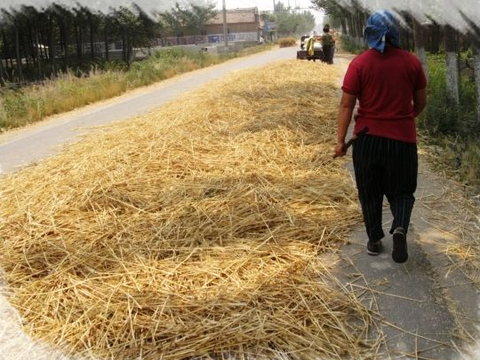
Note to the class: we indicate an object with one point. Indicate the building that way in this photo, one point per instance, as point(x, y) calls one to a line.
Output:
point(242, 25)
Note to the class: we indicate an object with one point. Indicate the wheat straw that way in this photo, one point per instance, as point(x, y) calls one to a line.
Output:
point(194, 231)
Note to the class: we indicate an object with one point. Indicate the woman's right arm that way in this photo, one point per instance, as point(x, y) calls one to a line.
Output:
point(347, 104)
point(419, 101)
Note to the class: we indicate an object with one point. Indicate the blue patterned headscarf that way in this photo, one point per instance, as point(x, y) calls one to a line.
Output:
point(382, 26)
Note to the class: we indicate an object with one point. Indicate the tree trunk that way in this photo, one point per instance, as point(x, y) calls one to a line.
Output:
point(78, 38)
point(124, 46)
point(105, 34)
point(25, 49)
point(453, 79)
point(51, 45)
point(65, 42)
point(43, 51)
point(10, 56)
point(6, 54)
point(2, 72)
point(435, 46)
point(67, 47)
point(17, 54)
point(360, 23)
point(351, 28)
point(92, 45)
point(419, 44)
point(37, 55)
point(343, 22)
point(476, 67)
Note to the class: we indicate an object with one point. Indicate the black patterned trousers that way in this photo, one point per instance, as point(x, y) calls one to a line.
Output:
point(385, 167)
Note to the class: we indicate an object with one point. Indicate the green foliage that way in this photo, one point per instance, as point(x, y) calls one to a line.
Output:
point(268, 16)
point(187, 19)
point(451, 129)
point(470, 165)
point(69, 91)
point(442, 115)
point(290, 22)
point(350, 46)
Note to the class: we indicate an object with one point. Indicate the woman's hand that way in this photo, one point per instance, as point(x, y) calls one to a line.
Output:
point(340, 150)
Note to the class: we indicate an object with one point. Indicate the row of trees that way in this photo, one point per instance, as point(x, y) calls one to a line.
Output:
point(36, 43)
point(422, 31)
point(290, 21)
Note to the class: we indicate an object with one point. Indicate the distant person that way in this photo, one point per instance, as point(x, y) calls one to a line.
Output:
point(327, 45)
point(261, 40)
point(390, 86)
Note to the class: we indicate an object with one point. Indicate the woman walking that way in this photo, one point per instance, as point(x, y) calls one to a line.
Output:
point(390, 86)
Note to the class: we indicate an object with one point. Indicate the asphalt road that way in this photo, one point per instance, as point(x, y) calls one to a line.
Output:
point(37, 142)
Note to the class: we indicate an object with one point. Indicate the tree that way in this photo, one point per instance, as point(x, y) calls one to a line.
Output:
point(187, 19)
point(2, 72)
point(334, 10)
point(126, 22)
point(453, 76)
point(474, 37)
point(290, 22)
point(419, 42)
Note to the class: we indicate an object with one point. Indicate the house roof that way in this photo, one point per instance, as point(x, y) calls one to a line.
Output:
point(236, 16)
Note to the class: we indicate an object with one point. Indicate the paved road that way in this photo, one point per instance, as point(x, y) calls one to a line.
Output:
point(40, 141)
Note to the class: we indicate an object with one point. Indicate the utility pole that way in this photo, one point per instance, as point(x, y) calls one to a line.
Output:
point(274, 6)
point(225, 25)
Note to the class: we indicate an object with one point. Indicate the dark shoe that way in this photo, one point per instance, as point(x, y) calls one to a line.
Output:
point(399, 253)
point(374, 249)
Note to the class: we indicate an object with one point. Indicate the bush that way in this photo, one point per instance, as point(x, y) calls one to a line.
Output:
point(470, 165)
point(452, 129)
point(442, 115)
point(350, 46)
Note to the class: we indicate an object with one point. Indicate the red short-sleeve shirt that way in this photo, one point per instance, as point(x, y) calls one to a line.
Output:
point(384, 85)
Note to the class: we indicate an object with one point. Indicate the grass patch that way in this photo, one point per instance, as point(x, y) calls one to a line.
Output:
point(351, 46)
point(449, 129)
point(70, 91)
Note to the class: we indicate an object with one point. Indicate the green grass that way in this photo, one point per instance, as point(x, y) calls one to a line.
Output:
point(350, 46)
point(33, 103)
point(451, 129)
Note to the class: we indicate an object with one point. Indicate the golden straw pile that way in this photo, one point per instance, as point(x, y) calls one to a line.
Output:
point(194, 231)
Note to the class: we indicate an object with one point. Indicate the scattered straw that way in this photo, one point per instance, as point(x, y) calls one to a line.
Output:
point(193, 231)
